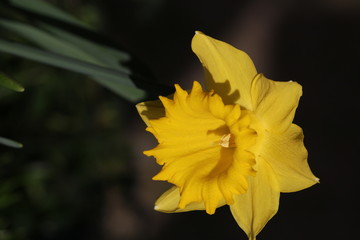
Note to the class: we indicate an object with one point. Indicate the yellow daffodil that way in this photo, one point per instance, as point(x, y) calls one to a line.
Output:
point(232, 144)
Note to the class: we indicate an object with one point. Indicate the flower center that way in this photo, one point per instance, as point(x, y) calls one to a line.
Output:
point(227, 141)
point(202, 147)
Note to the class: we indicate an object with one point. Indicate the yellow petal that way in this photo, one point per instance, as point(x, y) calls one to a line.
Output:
point(287, 156)
point(200, 149)
point(168, 202)
point(259, 204)
point(150, 110)
point(275, 102)
point(228, 71)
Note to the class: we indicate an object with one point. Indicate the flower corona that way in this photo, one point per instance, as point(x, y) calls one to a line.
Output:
point(202, 147)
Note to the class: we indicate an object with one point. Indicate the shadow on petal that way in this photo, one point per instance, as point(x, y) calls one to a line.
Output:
point(222, 89)
point(150, 110)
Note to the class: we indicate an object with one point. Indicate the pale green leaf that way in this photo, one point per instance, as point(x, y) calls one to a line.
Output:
point(7, 82)
point(47, 40)
point(10, 143)
point(71, 45)
point(45, 8)
point(115, 80)
point(107, 55)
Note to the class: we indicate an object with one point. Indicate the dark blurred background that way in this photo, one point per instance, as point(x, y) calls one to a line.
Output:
point(81, 173)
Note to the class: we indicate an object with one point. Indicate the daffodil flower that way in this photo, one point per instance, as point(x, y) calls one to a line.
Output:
point(233, 143)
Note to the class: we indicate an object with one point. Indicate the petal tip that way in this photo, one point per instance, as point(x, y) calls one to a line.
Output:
point(147, 153)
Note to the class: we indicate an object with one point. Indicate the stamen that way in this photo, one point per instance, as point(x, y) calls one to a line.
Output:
point(227, 141)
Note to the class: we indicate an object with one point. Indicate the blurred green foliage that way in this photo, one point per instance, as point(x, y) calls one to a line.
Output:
point(41, 32)
point(75, 147)
point(9, 83)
